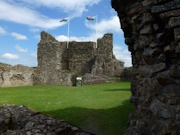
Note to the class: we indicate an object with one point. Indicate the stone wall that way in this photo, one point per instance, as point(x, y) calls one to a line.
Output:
point(18, 75)
point(152, 33)
point(105, 62)
point(19, 120)
point(81, 57)
point(59, 65)
point(52, 62)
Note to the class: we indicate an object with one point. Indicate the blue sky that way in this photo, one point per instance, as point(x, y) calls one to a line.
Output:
point(21, 22)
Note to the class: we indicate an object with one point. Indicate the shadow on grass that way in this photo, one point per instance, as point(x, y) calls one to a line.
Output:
point(126, 89)
point(111, 121)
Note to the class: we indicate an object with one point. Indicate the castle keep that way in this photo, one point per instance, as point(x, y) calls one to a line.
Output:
point(59, 65)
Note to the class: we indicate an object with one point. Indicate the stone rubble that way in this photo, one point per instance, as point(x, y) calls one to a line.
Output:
point(19, 120)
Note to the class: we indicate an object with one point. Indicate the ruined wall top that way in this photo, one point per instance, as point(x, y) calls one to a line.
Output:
point(47, 37)
point(17, 75)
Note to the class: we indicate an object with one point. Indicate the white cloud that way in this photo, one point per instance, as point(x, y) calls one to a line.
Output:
point(122, 54)
point(20, 49)
point(37, 37)
point(22, 14)
point(18, 36)
point(35, 30)
point(34, 54)
point(10, 56)
point(104, 26)
point(82, 39)
point(62, 38)
point(2, 31)
point(72, 7)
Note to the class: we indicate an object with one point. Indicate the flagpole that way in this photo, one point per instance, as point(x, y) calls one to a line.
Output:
point(68, 32)
point(94, 18)
point(96, 30)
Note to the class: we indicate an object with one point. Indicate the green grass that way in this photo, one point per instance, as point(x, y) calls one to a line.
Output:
point(101, 109)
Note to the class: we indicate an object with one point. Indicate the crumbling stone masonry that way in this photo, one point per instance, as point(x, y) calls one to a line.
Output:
point(19, 120)
point(58, 65)
point(18, 75)
point(152, 33)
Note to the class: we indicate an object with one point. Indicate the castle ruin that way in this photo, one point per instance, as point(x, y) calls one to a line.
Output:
point(59, 65)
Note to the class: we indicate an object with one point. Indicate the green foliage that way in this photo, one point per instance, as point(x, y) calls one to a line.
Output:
point(66, 71)
point(102, 109)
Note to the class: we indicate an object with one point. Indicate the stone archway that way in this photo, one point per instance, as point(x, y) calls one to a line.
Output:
point(152, 33)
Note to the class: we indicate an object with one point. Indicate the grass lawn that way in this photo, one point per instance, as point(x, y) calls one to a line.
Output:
point(102, 109)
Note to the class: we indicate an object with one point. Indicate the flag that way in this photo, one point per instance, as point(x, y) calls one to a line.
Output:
point(90, 18)
point(63, 20)
point(67, 20)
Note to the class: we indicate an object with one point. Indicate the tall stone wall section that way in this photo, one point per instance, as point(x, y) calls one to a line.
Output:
point(19, 75)
point(52, 60)
point(81, 57)
point(59, 65)
point(152, 33)
point(105, 62)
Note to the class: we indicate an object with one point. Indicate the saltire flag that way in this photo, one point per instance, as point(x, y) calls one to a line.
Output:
point(90, 18)
point(64, 20)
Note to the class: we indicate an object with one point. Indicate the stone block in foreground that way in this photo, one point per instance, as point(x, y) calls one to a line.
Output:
point(19, 120)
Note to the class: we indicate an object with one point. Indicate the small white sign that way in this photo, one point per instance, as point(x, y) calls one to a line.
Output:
point(79, 78)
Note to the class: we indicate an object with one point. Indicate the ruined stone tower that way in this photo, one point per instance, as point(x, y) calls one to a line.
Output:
point(152, 33)
point(58, 65)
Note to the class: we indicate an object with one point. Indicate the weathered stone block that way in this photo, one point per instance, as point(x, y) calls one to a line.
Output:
point(170, 14)
point(174, 22)
point(161, 110)
point(169, 49)
point(147, 2)
point(177, 34)
point(172, 101)
point(148, 71)
point(165, 7)
point(147, 18)
point(147, 29)
point(149, 55)
point(175, 73)
point(163, 125)
point(177, 49)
